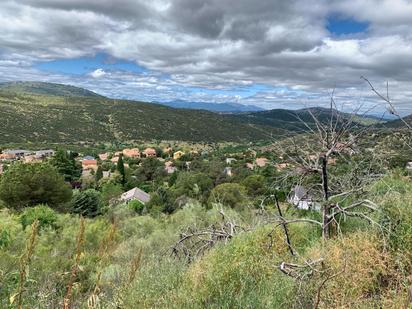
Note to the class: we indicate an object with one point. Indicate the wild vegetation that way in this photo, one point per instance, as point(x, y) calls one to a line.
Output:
point(226, 228)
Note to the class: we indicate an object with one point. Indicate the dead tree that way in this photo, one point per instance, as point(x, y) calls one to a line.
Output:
point(195, 242)
point(311, 155)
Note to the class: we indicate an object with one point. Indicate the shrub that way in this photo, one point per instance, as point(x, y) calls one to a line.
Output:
point(230, 194)
point(46, 216)
point(87, 203)
point(5, 238)
point(136, 206)
point(255, 185)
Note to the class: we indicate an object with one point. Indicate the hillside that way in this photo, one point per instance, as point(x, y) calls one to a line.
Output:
point(47, 89)
point(294, 120)
point(28, 117)
point(398, 123)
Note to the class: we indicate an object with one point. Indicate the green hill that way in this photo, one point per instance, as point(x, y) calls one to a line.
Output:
point(27, 116)
point(294, 120)
point(398, 123)
point(47, 89)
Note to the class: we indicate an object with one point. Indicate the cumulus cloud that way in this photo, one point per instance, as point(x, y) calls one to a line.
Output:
point(217, 44)
point(98, 73)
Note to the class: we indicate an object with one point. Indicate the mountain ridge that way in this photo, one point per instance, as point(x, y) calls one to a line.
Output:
point(44, 88)
point(226, 107)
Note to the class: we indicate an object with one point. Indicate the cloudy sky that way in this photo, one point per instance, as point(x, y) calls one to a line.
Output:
point(270, 53)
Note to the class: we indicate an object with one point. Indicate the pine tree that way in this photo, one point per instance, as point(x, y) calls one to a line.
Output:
point(120, 169)
point(99, 174)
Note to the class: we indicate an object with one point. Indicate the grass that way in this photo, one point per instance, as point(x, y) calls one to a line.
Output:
point(129, 263)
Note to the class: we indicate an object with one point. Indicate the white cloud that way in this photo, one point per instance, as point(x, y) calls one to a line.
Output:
point(214, 44)
point(98, 73)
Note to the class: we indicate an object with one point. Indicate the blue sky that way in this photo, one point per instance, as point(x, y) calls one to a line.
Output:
point(338, 25)
point(269, 53)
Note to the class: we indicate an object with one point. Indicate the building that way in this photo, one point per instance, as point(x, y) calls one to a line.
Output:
point(302, 199)
point(228, 171)
point(177, 155)
point(115, 159)
point(250, 166)
point(230, 160)
point(167, 150)
point(409, 166)
point(89, 163)
point(150, 153)
point(282, 166)
point(135, 194)
point(18, 153)
point(132, 153)
point(32, 159)
point(261, 162)
point(46, 153)
point(104, 156)
point(169, 168)
point(7, 157)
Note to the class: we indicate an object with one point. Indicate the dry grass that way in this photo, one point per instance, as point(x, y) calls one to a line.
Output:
point(75, 268)
point(24, 264)
point(360, 269)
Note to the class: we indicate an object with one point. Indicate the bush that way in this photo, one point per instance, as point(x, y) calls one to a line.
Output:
point(230, 194)
point(255, 185)
point(46, 216)
point(87, 203)
point(136, 206)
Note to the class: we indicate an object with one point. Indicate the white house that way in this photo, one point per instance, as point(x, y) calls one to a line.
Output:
point(301, 198)
point(135, 194)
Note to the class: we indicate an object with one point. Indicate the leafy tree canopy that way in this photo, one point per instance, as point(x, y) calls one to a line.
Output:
point(32, 184)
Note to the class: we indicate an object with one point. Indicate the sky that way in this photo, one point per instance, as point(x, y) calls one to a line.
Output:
point(268, 53)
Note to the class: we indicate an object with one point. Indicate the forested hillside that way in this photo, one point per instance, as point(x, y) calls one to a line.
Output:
point(30, 117)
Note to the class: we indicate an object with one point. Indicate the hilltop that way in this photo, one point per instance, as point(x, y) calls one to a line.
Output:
point(51, 89)
point(294, 120)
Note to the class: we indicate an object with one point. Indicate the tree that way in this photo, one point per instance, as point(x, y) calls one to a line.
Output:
point(87, 203)
point(110, 191)
point(120, 169)
point(150, 169)
point(26, 185)
point(66, 165)
point(230, 194)
point(196, 185)
point(255, 185)
point(99, 174)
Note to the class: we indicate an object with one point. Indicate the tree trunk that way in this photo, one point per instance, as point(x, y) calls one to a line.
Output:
point(326, 207)
point(285, 228)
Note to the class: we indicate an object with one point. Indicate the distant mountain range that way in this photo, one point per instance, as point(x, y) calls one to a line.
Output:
point(213, 107)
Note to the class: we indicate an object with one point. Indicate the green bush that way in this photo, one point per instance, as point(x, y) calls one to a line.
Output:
point(46, 216)
point(229, 194)
point(5, 238)
point(255, 185)
point(136, 206)
point(87, 203)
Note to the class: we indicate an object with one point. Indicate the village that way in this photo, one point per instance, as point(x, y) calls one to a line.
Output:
point(132, 158)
